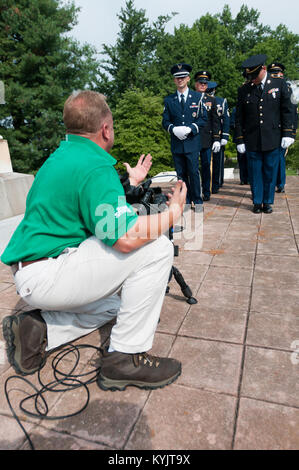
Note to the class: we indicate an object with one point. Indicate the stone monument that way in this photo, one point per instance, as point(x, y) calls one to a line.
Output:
point(14, 187)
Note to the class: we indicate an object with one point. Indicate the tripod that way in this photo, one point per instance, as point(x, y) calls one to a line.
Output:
point(159, 201)
point(186, 291)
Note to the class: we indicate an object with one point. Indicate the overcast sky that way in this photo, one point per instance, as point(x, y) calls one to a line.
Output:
point(98, 22)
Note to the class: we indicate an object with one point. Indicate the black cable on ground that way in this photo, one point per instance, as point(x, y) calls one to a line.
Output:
point(64, 382)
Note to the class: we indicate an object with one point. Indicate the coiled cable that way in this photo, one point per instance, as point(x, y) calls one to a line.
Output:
point(63, 382)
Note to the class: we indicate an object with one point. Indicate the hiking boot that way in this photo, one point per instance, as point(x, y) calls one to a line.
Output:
point(119, 370)
point(26, 339)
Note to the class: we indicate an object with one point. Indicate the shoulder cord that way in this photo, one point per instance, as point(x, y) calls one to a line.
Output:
point(200, 105)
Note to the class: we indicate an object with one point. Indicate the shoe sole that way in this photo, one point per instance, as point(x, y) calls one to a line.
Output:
point(13, 346)
point(120, 385)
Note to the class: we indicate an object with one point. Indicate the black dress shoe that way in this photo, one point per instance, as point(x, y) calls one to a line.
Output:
point(257, 208)
point(280, 190)
point(267, 209)
point(206, 198)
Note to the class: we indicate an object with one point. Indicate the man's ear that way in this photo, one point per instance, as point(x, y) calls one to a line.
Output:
point(106, 131)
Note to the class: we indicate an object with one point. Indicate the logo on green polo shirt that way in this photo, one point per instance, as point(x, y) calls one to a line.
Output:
point(113, 222)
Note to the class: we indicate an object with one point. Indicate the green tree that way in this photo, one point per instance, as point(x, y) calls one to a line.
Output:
point(138, 131)
point(40, 67)
point(220, 43)
point(245, 29)
point(292, 155)
point(204, 47)
point(127, 64)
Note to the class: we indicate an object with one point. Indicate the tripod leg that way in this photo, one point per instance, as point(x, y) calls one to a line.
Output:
point(184, 287)
point(169, 279)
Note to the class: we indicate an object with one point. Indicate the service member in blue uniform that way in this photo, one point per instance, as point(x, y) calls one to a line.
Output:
point(183, 117)
point(210, 134)
point(264, 116)
point(218, 158)
point(276, 70)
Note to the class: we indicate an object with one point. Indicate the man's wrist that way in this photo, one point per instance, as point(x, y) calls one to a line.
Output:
point(175, 211)
point(133, 181)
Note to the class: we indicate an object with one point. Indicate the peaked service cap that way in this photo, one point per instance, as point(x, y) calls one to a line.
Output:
point(181, 70)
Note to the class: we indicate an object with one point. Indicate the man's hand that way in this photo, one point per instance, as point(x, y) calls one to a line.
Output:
point(286, 142)
point(139, 172)
point(177, 199)
point(150, 227)
point(223, 142)
point(241, 148)
point(181, 132)
point(216, 147)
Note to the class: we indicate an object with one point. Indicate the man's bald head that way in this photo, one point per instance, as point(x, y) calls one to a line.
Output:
point(85, 112)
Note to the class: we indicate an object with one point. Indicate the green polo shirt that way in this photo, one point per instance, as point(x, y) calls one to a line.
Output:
point(75, 194)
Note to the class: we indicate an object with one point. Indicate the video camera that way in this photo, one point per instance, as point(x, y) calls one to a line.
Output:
point(152, 200)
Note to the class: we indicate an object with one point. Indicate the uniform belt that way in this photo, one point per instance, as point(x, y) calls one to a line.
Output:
point(15, 267)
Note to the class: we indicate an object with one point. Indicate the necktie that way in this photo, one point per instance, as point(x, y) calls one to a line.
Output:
point(182, 102)
point(261, 87)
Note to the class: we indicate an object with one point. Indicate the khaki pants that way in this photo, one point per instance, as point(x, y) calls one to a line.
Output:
point(77, 292)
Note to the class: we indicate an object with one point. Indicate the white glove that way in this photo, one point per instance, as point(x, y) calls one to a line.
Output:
point(241, 148)
point(286, 142)
point(188, 130)
point(223, 142)
point(180, 132)
point(216, 147)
